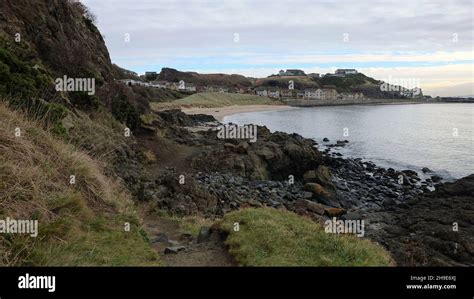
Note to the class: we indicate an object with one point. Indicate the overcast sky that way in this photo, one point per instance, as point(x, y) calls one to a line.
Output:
point(427, 43)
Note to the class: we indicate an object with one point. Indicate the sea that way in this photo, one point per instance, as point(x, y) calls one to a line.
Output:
point(404, 136)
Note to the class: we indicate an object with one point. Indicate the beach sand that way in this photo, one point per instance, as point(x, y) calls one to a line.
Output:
point(221, 112)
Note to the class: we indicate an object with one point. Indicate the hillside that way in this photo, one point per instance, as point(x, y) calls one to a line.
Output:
point(300, 82)
point(66, 133)
point(80, 223)
point(370, 87)
point(237, 81)
point(58, 34)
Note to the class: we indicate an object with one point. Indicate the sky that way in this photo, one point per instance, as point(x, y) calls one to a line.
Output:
point(427, 44)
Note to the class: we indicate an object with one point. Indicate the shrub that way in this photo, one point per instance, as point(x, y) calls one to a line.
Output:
point(83, 100)
point(124, 112)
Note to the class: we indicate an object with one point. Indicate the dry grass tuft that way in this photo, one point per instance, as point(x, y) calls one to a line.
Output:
point(35, 174)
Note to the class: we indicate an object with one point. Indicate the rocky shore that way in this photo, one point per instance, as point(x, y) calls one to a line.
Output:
point(287, 171)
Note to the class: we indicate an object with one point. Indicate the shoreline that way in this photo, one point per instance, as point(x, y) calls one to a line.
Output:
point(239, 174)
point(221, 112)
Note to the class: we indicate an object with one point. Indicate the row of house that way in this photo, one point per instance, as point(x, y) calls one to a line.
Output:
point(180, 86)
point(160, 84)
point(327, 92)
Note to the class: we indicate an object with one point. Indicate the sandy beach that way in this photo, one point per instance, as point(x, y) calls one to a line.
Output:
point(221, 112)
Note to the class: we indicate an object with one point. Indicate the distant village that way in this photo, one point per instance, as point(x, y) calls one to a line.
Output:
point(326, 92)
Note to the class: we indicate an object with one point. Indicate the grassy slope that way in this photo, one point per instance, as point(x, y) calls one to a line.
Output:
point(269, 237)
point(216, 99)
point(80, 224)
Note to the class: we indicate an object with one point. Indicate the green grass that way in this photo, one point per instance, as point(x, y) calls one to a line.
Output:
point(102, 242)
point(270, 237)
point(216, 99)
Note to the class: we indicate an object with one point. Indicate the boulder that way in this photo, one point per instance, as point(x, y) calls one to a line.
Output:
point(426, 169)
point(174, 249)
point(303, 204)
point(265, 152)
point(309, 176)
point(436, 178)
point(329, 202)
point(323, 177)
point(317, 190)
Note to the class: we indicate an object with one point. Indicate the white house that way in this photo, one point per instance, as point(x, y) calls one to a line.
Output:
point(190, 87)
point(346, 72)
point(314, 94)
point(262, 92)
point(274, 93)
point(131, 82)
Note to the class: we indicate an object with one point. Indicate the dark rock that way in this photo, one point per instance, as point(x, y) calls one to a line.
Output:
point(325, 139)
point(204, 234)
point(352, 216)
point(323, 177)
point(419, 231)
point(309, 176)
point(426, 169)
point(329, 202)
point(174, 249)
point(436, 178)
point(410, 173)
point(160, 238)
point(309, 206)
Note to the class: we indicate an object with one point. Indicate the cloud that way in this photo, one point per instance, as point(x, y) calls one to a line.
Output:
point(275, 34)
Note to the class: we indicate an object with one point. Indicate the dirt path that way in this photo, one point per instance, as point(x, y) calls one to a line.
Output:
point(166, 233)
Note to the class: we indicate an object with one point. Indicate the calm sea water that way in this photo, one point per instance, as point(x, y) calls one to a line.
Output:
point(437, 136)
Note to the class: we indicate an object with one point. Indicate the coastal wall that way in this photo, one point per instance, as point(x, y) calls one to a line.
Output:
point(311, 103)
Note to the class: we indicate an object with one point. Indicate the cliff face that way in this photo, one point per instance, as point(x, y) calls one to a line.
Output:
point(57, 33)
point(47, 39)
